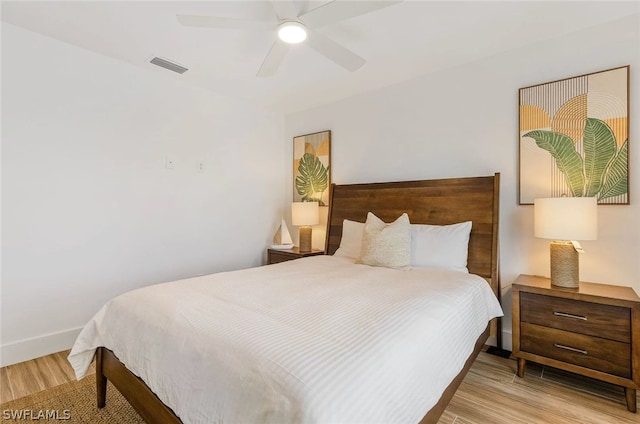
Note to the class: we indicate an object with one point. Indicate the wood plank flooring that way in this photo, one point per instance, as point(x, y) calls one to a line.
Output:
point(38, 374)
point(491, 393)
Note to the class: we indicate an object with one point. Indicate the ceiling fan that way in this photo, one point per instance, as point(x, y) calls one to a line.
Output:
point(296, 28)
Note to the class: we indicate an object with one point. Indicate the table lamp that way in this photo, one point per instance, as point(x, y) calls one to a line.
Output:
point(305, 214)
point(566, 220)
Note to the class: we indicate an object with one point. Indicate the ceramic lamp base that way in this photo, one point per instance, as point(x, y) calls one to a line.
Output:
point(305, 239)
point(564, 264)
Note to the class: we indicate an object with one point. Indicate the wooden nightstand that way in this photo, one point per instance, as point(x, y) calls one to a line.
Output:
point(274, 256)
point(593, 330)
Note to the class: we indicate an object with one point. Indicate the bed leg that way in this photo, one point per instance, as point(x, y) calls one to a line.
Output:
point(630, 395)
point(101, 380)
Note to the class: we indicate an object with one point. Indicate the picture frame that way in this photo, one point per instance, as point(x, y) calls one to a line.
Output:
point(312, 167)
point(573, 137)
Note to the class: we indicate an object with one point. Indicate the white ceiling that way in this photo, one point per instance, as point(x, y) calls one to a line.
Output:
point(399, 42)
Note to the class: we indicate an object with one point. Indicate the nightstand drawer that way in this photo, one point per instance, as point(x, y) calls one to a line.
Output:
point(594, 319)
point(276, 257)
point(604, 355)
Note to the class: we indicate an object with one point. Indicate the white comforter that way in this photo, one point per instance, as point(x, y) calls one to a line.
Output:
point(315, 340)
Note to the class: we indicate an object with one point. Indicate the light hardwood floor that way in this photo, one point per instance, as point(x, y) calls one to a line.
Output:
point(38, 374)
point(490, 394)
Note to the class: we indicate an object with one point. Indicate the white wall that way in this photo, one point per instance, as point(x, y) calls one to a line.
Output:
point(89, 210)
point(463, 122)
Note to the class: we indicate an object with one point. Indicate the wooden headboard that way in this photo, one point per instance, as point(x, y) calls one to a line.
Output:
point(436, 202)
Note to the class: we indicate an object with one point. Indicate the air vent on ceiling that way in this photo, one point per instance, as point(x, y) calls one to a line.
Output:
point(163, 63)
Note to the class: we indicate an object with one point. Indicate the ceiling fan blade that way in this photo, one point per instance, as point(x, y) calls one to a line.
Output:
point(334, 51)
point(224, 23)
point(284, 9)
point(336, 11)
point(273, 59)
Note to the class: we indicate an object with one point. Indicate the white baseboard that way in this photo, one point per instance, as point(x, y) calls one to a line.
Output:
point(24, 350)
point(506, 341)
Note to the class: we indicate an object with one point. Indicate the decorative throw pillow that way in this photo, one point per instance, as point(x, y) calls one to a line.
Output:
point(386, 245)
point(351, 241)
point(443, 246)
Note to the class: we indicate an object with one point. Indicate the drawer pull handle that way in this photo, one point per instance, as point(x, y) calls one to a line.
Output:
point(562, 314)
point(572, 349)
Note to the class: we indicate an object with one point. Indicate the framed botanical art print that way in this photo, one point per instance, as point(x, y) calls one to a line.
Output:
point(573, 138)
point(312, 167)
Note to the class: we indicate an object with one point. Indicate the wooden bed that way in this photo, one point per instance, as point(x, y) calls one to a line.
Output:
point(437, 202)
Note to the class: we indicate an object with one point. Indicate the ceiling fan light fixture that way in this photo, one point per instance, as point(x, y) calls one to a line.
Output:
point(292, 32)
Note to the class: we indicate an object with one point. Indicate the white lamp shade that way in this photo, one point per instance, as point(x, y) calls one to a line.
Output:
point(305, 213)
point(566, 218)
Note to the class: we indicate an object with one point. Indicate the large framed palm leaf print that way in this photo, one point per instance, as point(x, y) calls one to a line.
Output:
point(574, 138)
point(312, 167)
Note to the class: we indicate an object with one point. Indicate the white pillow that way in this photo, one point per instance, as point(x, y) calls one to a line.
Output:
point(386, 245)
point(443, 246)
point(351, 241)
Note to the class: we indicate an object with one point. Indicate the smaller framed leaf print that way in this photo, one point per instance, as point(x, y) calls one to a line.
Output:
point(312, 167)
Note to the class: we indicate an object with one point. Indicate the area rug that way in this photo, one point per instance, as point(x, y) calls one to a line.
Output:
point(75, 402)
